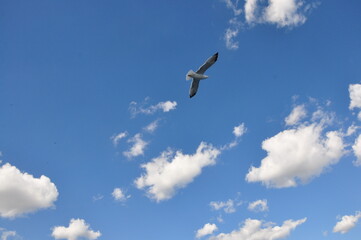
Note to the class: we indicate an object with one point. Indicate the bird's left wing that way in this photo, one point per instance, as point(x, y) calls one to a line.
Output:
point(210, 61)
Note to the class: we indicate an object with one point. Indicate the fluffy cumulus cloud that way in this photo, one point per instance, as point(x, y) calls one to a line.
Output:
point(296, 154)
point(227, 206)
point(22, 193)
point(207, 229)
point(355, 95)
point(282, 13)
point(136, 108)
point(357, 151)
point(297, 114)
point(137, 148)
point(118, 137)
point(171, 171)
point(78, 229)
point(119, 195)
point(258, 206)
point(255, 229)
point(346, 223)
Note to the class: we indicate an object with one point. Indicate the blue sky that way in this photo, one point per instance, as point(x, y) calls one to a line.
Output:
point(100, 140)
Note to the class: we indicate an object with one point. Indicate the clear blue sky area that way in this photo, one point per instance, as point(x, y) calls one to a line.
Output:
point(75, 74)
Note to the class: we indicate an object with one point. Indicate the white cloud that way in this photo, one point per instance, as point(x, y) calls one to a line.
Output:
point(351, 130)
point(230, 35)
point(118, 137)
point(161, 106)
point(297, 114)
point(255, 230)
point(258, 206)
point(228, 206)
point(152, 126)
point(284, 13)
point(98, 197)
point(346, 223)
point(119, 195)
point(233, 6)
point(5, 235)
point(239, 130)
point(138, 147)
point(171, 171)
point(234, 25)
point(357, 151)
point(250, 9)
point(355, 96)
point(77, 229)
point(297, 154)
point(22, 193)
point(207, 229)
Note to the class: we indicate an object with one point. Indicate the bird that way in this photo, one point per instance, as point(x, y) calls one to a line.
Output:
point(199, 74)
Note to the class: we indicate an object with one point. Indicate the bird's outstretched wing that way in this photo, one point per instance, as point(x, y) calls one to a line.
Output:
point(210, 61)
point(194, 87)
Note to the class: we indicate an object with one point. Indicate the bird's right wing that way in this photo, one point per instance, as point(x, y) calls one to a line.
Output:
point(194, 87)
point(210, 61)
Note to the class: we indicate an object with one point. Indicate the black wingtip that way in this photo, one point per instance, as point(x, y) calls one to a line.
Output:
point(216, 54)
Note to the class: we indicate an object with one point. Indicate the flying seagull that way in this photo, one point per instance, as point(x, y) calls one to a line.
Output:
point(199, 75)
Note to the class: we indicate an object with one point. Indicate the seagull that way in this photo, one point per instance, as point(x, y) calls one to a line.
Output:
point(199, 75)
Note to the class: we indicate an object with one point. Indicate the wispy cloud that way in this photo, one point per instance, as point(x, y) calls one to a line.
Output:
point(7, 235)
point(141, 108)
point(282, 13)
point(119, 195)
point(346, 223)
point(152, 126)
point(207, 229)
point(256, 229)
point(137, 148)
point(118, 137)
point(238, 132)
point(228, 206)
point(258, 206)
point(297, 114)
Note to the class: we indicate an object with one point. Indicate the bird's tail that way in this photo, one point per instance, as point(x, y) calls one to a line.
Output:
point(189, 74)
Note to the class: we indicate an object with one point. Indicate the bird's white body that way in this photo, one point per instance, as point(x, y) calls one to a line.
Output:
point(192, 74)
